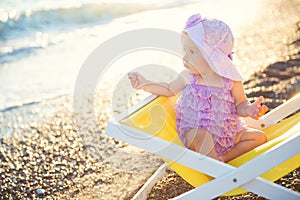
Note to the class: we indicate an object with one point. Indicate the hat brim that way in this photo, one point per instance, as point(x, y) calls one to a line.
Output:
point(216, 58)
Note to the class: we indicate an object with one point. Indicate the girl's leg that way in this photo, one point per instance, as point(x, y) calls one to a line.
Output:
point(201, 141)
point(245, 141)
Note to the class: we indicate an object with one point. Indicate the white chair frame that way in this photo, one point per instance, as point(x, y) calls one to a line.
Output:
point(226, 176)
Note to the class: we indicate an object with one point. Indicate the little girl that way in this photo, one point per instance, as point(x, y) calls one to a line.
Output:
point(212, 96)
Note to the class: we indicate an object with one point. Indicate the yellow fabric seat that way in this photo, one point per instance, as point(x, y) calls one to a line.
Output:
point(157, 118)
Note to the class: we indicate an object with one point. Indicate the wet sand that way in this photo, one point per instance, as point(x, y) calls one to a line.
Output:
point(49, 158)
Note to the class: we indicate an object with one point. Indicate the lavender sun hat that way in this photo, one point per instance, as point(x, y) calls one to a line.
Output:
point(215, 41)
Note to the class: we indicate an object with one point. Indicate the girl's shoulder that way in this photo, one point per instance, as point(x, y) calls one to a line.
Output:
point(236, 84)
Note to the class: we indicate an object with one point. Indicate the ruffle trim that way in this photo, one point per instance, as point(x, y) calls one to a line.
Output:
point(220, 129)
point(216, 116)
point(206, 93)
point(228, 84)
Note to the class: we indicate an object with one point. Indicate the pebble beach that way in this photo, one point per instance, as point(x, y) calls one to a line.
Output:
point(45, 156)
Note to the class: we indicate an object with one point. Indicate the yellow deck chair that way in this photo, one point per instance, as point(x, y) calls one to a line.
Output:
point(151, 125)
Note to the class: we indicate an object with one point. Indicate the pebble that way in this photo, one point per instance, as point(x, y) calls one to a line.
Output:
point(40, 191)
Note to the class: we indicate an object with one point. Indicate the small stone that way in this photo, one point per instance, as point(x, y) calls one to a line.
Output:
point(40, 191)
point(61, 183)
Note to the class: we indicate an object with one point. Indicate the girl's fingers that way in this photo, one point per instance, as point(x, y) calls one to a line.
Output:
point(266, 108)
point(263, 109)
point(259, 100)
point(132, 75)
point(258, 109)
point(134, 79)
point(136, 83)
point(255, 116)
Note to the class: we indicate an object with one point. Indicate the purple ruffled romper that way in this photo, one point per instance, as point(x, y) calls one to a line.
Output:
point(209, 108)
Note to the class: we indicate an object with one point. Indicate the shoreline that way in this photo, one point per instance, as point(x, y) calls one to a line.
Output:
point(51, 159)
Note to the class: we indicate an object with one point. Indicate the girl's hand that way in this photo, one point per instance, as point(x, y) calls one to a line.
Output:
point(256, 110)
point(137, 80)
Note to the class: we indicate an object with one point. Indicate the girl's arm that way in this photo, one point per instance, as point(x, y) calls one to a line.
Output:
point(243, 107)
point(162, 89)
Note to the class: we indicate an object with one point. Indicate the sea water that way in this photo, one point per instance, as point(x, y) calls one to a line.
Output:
point(43, 43)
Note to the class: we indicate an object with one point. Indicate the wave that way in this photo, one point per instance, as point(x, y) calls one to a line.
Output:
point(17, 53)
point(14, 23)
point(18, 49)
point(30, 28)
point(33, 101)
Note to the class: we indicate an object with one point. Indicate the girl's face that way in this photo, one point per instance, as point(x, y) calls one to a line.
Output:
point(193, 61)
